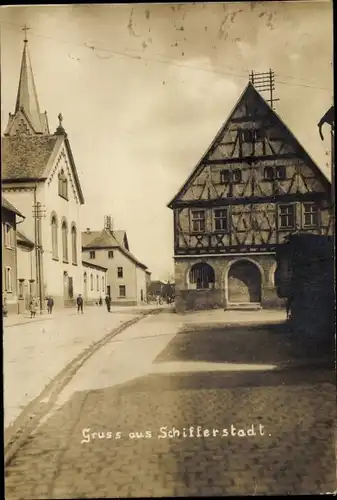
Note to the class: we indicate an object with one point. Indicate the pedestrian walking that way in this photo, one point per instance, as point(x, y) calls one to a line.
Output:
point(50, 305)
point(108, 302)
point(32, 307)
point(100, 301)
point(79, 302)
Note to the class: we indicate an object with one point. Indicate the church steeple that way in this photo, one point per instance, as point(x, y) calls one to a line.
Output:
point(27, 117)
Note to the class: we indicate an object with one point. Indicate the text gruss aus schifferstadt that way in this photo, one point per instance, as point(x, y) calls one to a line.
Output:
point(89, 435)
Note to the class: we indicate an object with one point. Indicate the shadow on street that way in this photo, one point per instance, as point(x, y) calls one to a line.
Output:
point(258, 343)
point(294, 455)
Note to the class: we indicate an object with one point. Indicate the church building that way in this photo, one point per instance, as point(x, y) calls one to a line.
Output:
point(40, 179)
point(253, 187)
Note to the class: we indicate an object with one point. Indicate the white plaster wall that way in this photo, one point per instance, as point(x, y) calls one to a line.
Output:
point(26, 263)
point(141, 283)
point(95, 294)
point(119, 260)
point(71, 210)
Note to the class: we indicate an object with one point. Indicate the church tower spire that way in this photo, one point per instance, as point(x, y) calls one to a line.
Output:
point(27, 118)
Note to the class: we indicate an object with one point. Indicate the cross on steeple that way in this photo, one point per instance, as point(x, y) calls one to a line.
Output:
point(25, 29)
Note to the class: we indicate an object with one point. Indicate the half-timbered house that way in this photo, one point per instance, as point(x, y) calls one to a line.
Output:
point(253, 187)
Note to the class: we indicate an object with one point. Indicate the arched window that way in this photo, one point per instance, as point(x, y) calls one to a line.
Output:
point(202, 275)
point(74, 244)
point(54, 239)
point(237, 176)
point(268, 173)
point(91, 282)
point(97, 282)
point(63, 185)
point(65, 240)
point(103, 284)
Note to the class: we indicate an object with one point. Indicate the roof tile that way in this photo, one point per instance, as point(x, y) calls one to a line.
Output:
point(26, 157)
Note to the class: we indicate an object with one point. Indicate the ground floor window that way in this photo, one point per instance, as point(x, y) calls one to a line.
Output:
point(8, 279)
point(122, 290)
point(202, 275)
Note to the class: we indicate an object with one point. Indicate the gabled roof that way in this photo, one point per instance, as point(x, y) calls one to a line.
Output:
point(8, 206)
point(121, 238)
point(31, 157)
point(23, 239)
point(249, 90)
point(26, 157)
point(95, 240)
point(98, 239)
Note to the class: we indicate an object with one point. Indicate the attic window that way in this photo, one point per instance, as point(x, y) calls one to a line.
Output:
point(225, 176)
point(281, 172)
point(252, 135)
point(63, 185)
point(237, 176)
point(268, 173)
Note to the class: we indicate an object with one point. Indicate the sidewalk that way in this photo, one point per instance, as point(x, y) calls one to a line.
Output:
point(21, 319)
point(36, 350)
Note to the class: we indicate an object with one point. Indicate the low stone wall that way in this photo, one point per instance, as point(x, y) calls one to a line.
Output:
point(187, 300)
point(270, 299)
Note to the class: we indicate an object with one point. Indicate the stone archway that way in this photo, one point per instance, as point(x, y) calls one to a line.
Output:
point(244, 283)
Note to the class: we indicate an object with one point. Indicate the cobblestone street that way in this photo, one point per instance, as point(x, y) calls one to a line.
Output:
point(183, 405)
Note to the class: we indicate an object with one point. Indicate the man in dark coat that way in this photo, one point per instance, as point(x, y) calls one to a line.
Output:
point(79, 302)
point(108, 302)
point(50, 305)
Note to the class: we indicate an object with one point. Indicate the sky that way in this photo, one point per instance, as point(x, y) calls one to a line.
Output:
point(144, 88)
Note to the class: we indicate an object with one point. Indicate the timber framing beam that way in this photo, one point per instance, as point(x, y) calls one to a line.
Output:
point(251, 200)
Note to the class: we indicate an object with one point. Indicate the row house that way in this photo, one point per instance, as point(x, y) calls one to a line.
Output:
point(127, 277)
point(11, 217)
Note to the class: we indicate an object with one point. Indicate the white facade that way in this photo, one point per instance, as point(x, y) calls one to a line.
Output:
point(62, 277)
point(94, 283)
point(126, 280)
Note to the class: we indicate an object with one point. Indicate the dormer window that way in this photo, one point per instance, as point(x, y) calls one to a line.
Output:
point(63, 185)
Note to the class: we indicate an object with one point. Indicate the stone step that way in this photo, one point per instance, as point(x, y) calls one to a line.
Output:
point(245, 306)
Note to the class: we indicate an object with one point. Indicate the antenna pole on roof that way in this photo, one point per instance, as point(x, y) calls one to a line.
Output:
point(264, 82)
point(108, 223)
